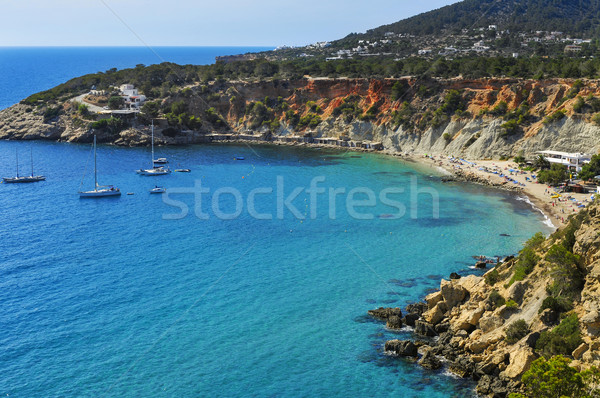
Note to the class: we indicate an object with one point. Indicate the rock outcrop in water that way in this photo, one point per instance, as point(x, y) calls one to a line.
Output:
point(485, 118)
point(544, 302)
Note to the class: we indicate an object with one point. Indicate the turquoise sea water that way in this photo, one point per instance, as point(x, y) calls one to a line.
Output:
point(108, 298)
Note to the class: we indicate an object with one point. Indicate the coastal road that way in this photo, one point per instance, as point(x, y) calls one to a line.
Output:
point(91, 107)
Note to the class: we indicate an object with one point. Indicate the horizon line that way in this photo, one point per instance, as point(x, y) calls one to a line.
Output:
point(130, 46)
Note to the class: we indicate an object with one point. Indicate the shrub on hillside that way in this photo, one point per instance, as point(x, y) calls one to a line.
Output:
point(555, 378)
point(516, 331)
point(561, 340)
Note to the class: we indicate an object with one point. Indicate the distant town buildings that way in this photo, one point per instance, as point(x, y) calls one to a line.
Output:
point(572, 48)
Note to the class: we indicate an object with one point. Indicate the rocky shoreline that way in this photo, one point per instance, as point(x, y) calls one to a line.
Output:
point(491, 328)
point(448, 342)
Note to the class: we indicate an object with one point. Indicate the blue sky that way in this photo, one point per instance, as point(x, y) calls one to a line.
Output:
point(189, 23)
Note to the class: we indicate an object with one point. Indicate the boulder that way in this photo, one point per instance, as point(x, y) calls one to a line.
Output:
point(417, 308)
point(499, 357)
point(410, 319)
point(468, 319)
point(549, 317)
point(424, 329)
point(385, 313)
point(452, 292)
point(463, 366)
point(517, 291)
point(519, 363)
point(436, 314)
point(531, 339)
point(394, 322)
point(454, 275)
point(579, 351)
point(487, 368)
point(442, 327)
point(402, 348)
point(430, 361)
point(489, 322)
point(433, 299)
point(462, 334)
point(591, 322)
point(481, 265)
point(472, 283)
point(491, 387)
point(478, 346)
point(445, 338)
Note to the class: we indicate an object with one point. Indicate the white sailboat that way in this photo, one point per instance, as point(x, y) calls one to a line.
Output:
point(23, 179)
point(155, 170)
point(99, 190)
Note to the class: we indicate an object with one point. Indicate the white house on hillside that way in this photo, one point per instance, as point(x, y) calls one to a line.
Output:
point(133, 99)
point(574, 161)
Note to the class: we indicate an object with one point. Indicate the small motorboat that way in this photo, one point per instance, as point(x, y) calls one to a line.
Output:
point(160, 161)
point(182, 170)
point(239, 158)
point(130, 193)
point(155, 171)
point(158, 189)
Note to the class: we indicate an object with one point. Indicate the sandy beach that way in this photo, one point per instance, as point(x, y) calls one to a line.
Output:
point(498, 173)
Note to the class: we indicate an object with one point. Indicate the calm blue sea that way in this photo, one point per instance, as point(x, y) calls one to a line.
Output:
point(28, 70)
point(111, 298)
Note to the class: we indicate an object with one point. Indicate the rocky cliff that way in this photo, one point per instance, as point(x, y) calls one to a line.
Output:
point(544, 302)
point(487, 118)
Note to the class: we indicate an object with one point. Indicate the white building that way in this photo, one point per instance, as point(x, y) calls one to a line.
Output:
point(133, 99)
point(480, 46)
point(573, 161)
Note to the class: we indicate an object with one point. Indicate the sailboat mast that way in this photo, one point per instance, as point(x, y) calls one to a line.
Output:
point(31, 162)
point(152, 142)
point(95, 173)
point(17, 152)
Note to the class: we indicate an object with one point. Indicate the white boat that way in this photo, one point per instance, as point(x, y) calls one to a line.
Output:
point(158, 189)
point(23, 179)
point(99, 191)
point(155, 170)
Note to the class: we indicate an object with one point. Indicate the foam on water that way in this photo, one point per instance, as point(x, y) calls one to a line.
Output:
point(547, 220)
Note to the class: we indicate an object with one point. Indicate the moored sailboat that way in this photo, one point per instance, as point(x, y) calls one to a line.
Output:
point(23, 179)
point(99, 190)
point(155, 170)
